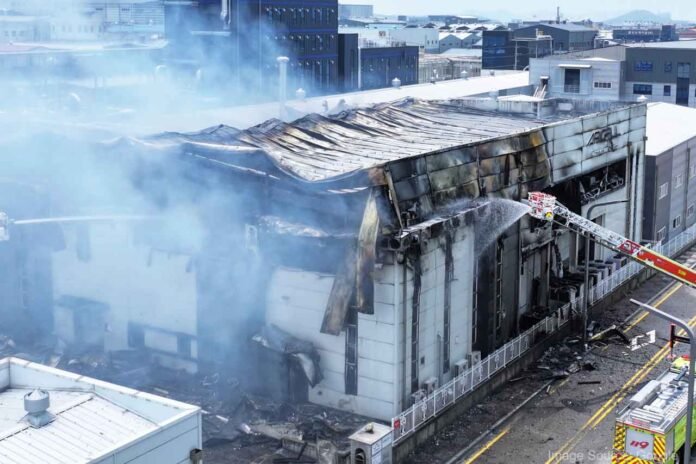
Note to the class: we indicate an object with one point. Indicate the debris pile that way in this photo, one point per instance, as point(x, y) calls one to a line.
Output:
point(231, 415)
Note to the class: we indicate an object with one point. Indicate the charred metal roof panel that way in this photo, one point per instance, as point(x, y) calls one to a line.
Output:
point(317, 148)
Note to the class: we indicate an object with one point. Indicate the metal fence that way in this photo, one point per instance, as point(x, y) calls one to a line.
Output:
point(412, 418)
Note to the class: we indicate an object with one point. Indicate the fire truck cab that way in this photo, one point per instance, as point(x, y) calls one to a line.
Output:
point(651, 429)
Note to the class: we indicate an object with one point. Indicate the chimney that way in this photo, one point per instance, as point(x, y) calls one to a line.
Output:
point(282, 83)
point(36, 405)
point(225, 13)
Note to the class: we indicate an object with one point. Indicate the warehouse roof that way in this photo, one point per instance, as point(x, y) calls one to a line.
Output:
point(246, 116)
point(570, 27)
point(667, 126)
point(679, 44)
point(93, 419)
point(317, 148)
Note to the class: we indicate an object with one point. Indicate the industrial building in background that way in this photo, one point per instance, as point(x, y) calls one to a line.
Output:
point(81, 20)
point(349, 11)
point(654, 72)
point(513, 48)
point(53, 416)
point(241, 50)
point(670, 175)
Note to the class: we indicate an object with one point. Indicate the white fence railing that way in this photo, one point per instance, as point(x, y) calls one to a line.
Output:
point(412, 418)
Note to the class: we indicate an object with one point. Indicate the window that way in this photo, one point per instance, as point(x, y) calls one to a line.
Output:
point(690, 210)
point(683, 70)
point(183, 345)
point(667, 91)
point(668, 67)
point(642, 89)
point(643, 66)
point(692, 170)
point(602, 85)
point(136, 335)
point(678, 181)
point(676, 222)
point(664, 190)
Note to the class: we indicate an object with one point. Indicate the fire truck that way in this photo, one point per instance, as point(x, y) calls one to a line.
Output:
point(651, 429)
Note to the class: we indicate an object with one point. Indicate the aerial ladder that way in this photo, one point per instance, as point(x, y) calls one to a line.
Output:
point(545, 207)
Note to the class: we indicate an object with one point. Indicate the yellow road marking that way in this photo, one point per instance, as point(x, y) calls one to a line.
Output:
point(565, 381)
point(487, 446)
point(645, 314)
point(611, 403)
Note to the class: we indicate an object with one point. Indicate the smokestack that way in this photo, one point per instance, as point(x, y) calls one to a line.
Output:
point(36, 405)
point(283, 83)
point(558, 15)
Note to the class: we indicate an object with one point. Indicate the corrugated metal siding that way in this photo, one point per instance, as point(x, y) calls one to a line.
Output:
point(86, 426)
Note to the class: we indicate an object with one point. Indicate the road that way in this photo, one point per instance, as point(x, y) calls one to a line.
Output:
point(573, 421)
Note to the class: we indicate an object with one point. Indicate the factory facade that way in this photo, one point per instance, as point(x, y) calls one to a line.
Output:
point(345, 234)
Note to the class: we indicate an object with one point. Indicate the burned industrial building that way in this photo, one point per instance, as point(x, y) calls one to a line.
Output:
point(355, 261)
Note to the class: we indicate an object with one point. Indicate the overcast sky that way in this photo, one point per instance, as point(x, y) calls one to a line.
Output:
point(572, 9)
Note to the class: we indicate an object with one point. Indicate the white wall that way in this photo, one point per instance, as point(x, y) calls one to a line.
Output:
point(600, 71)
point(423, 37)
point(139, 285)
point(431, 318)
point(297, 300)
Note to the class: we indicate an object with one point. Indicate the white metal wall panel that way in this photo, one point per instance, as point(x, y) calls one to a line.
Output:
point(160, 291)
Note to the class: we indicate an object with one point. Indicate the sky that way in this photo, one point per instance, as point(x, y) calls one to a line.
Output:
point(508, 9)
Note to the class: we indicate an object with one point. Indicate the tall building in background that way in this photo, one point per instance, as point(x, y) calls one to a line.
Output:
point(238, 42)
point(245, 38)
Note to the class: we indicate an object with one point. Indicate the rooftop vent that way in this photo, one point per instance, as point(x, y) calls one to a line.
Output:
point(36, 405)
point(396, 83)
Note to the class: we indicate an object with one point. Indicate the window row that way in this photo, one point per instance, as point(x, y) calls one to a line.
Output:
point(301, 16)
point(642, 89)
point(300, 44)
point(602, 85)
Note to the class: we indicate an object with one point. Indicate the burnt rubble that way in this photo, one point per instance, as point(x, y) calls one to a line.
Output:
point(232, 415)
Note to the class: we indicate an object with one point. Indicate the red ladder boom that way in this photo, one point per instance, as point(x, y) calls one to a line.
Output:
point(545, 207)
